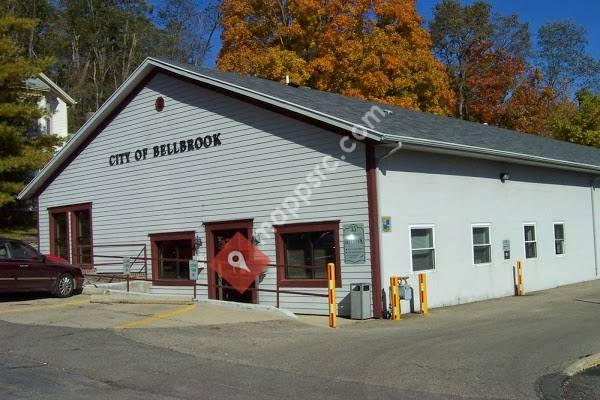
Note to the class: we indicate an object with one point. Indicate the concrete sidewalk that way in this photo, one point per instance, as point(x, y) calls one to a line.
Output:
point(81, 312)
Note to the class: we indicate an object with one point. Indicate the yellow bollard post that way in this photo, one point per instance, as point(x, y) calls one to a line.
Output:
point(395, 298)
point(331, 291)
point(520, 291)
point(423, 293)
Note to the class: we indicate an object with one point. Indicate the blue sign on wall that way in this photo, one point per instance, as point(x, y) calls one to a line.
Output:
point(386, 223)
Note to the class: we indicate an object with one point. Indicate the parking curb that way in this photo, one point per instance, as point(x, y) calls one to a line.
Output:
point(582, 364)
point(550, 387)
point(249, 306)
point(140, 299)
point(108, 296)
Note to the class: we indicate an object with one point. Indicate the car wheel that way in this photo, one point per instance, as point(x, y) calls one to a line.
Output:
point(64, 286)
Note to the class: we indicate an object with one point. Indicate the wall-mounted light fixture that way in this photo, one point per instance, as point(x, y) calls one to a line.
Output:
point(198, 241)
point(256, 240)
point(504, 176)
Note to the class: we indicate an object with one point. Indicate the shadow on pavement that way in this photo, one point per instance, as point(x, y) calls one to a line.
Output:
point(11, 297)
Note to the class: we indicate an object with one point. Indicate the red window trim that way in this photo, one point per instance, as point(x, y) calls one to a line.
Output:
point(52, 224)
point(72, 226)
point(306, 227)
point(157, 237)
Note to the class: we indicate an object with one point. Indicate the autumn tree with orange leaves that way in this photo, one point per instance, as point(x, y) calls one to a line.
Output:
point(371, 49)
point(491, 76)
point(485, 56)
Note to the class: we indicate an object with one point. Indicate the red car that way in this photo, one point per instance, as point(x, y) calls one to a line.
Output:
point(23, 269)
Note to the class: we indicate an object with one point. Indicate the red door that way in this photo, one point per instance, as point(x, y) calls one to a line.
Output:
point(218, 233)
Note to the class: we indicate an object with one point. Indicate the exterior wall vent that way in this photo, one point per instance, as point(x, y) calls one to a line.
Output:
point(159, 104)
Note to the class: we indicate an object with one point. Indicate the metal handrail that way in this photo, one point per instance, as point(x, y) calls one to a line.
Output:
point(195, 284)
point(207, 262)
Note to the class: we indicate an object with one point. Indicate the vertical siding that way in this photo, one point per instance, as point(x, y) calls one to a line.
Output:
point(263, 156)
point(453, 193)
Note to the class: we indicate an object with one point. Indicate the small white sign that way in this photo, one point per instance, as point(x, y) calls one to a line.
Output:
point(354, 243)
point(193, 270)
point(126, 265)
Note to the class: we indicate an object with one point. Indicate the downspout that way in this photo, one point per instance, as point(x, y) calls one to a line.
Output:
point(374, 208)
point(372, 196)
point(391, 152)
point(594, 227)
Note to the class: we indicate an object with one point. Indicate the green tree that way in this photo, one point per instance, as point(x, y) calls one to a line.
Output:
point(581, 125)
point(98, 43)
point(20, 153)
point(44, 11)
point(565, 62)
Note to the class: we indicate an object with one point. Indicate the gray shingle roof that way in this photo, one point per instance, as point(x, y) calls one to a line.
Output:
point(419, 129)
point(413, 124)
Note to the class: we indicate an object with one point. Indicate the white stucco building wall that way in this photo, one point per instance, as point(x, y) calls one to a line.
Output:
point(451, 194)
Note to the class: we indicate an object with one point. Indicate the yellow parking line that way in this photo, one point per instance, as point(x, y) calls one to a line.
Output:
point(41, 307)
point(156, 317)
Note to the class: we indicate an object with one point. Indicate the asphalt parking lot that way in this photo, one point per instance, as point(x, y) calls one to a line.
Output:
point(496, 349)
point(584, 386)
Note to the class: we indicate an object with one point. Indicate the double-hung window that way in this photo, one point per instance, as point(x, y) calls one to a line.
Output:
point(559, 238)
point(530, 241)
point(482, 247)
point(422, 248)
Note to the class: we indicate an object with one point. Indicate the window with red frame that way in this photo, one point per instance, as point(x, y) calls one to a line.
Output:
point(303, 252)
point(171, 253)
point(71, 233)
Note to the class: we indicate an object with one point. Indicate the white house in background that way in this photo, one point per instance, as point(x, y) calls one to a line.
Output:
point(55, 102)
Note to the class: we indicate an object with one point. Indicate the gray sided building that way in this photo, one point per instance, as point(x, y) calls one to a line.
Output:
point(179, 159)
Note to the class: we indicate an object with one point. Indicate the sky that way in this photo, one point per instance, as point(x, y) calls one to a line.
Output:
point(585, 13)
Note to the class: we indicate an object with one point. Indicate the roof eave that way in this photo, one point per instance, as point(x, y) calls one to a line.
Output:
point(418, 144)
point(57, 89)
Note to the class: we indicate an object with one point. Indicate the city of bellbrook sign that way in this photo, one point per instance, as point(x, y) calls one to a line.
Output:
point(167, 149)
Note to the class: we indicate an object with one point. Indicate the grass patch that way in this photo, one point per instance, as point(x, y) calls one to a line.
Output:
point(25, 233)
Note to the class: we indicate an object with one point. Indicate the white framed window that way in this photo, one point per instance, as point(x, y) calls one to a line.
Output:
point(530, 240)
point(422, 248)
point(559, 238)
point(482, 244)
